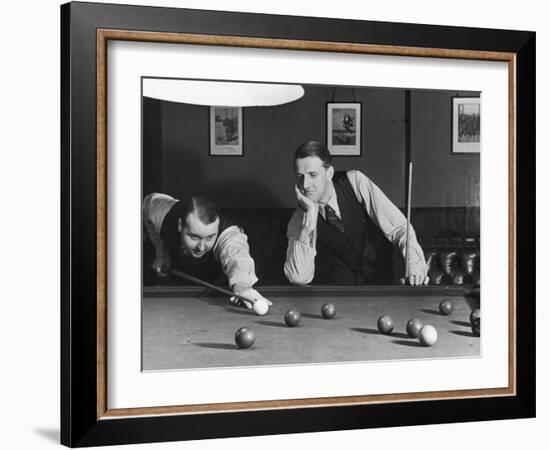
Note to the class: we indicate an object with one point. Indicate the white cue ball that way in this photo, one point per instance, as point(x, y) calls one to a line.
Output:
point(428, 335)
point(261, 307)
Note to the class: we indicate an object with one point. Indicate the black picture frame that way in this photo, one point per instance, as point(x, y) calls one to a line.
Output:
point(458, 148)
point(82, 421)
point(213, 151)
point(355, 150)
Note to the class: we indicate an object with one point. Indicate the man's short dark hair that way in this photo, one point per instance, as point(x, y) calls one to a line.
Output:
point(314, 148)
point(203, 207)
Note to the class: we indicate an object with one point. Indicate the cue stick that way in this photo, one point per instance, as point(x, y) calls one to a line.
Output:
point(209, 285)
point(408, 222)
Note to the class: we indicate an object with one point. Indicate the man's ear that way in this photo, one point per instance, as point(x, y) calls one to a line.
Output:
point(180, 225)
point(330, 173)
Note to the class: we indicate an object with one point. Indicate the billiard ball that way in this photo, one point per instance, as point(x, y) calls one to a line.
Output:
point(474, 315)
point(244, 337)
point(427, 335)
point(292, 318)
point(328, 310)
point(385, 324)
point(261, 307)
point(413, 328)
point(476, 326)
point(446, 307)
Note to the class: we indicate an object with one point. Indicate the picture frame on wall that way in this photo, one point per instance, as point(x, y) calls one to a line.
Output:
point(466, 134)
point(106, 398)
point(344, 129)
point(226, 131)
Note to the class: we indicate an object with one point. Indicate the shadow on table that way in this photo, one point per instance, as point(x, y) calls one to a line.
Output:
point(462, 333)
point(271, 324)
point(408, 343)
point(365, 330)
point(461, 323)
point(216, 345)
point(434, 312)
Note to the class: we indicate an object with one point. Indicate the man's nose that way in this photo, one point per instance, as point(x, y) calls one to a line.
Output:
point(201, 246)
point(306, 183)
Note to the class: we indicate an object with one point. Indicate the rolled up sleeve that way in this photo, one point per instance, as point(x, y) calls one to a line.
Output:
point(389, 219)
point(154, 208)
point(233, 253)
point(299, 265)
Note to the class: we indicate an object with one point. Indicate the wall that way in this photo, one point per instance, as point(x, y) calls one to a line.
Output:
point(440, 178)
point(263, 177)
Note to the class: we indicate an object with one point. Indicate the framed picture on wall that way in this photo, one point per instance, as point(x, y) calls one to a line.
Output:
point(466, 134)
point(108, 398)
point(344, 129)
point(226, 131)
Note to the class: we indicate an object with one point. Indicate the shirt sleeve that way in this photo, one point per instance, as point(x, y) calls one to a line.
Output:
point(233, 253)
point(299, 265)
point(388, 217)
point(154, 209)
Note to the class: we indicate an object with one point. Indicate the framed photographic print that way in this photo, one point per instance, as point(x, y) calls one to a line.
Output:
point(226, 131)
point(344, 129)
point(147, 357)
point(466, 125)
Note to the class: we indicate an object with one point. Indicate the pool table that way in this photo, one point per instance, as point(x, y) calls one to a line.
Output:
point(189, 327)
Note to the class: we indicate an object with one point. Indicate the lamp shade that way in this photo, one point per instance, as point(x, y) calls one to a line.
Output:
point(221, 93)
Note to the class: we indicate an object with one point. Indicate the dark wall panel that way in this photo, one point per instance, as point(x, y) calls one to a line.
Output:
point(440, 178)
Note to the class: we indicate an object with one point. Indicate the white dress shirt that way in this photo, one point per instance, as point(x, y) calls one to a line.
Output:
point(300, 256)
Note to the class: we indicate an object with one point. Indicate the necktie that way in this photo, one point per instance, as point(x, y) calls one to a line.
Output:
point(333, 219)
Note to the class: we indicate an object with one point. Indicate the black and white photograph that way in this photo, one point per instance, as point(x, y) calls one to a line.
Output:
point(288, 256)
point(466, 125)
point(344, 129)
point(226, 124)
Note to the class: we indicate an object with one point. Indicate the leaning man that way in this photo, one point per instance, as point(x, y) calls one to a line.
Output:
point(192, 236)
point(345, 230)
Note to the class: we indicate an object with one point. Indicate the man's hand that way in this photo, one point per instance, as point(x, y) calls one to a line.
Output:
point(161, 266)
point(306, 205)
point(249, 293)
point(417, 277)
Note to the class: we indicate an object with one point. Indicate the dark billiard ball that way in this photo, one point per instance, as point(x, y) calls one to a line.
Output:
point(385, 324)
point(292, 318)
point(413, 328)
point(474, 315)
point(446, 307)
point(328, 311)
point(476, 326)
point(244, 337)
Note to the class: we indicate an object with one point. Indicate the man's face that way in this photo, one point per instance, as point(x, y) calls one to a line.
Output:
point(197, 238)
point(312, 178)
